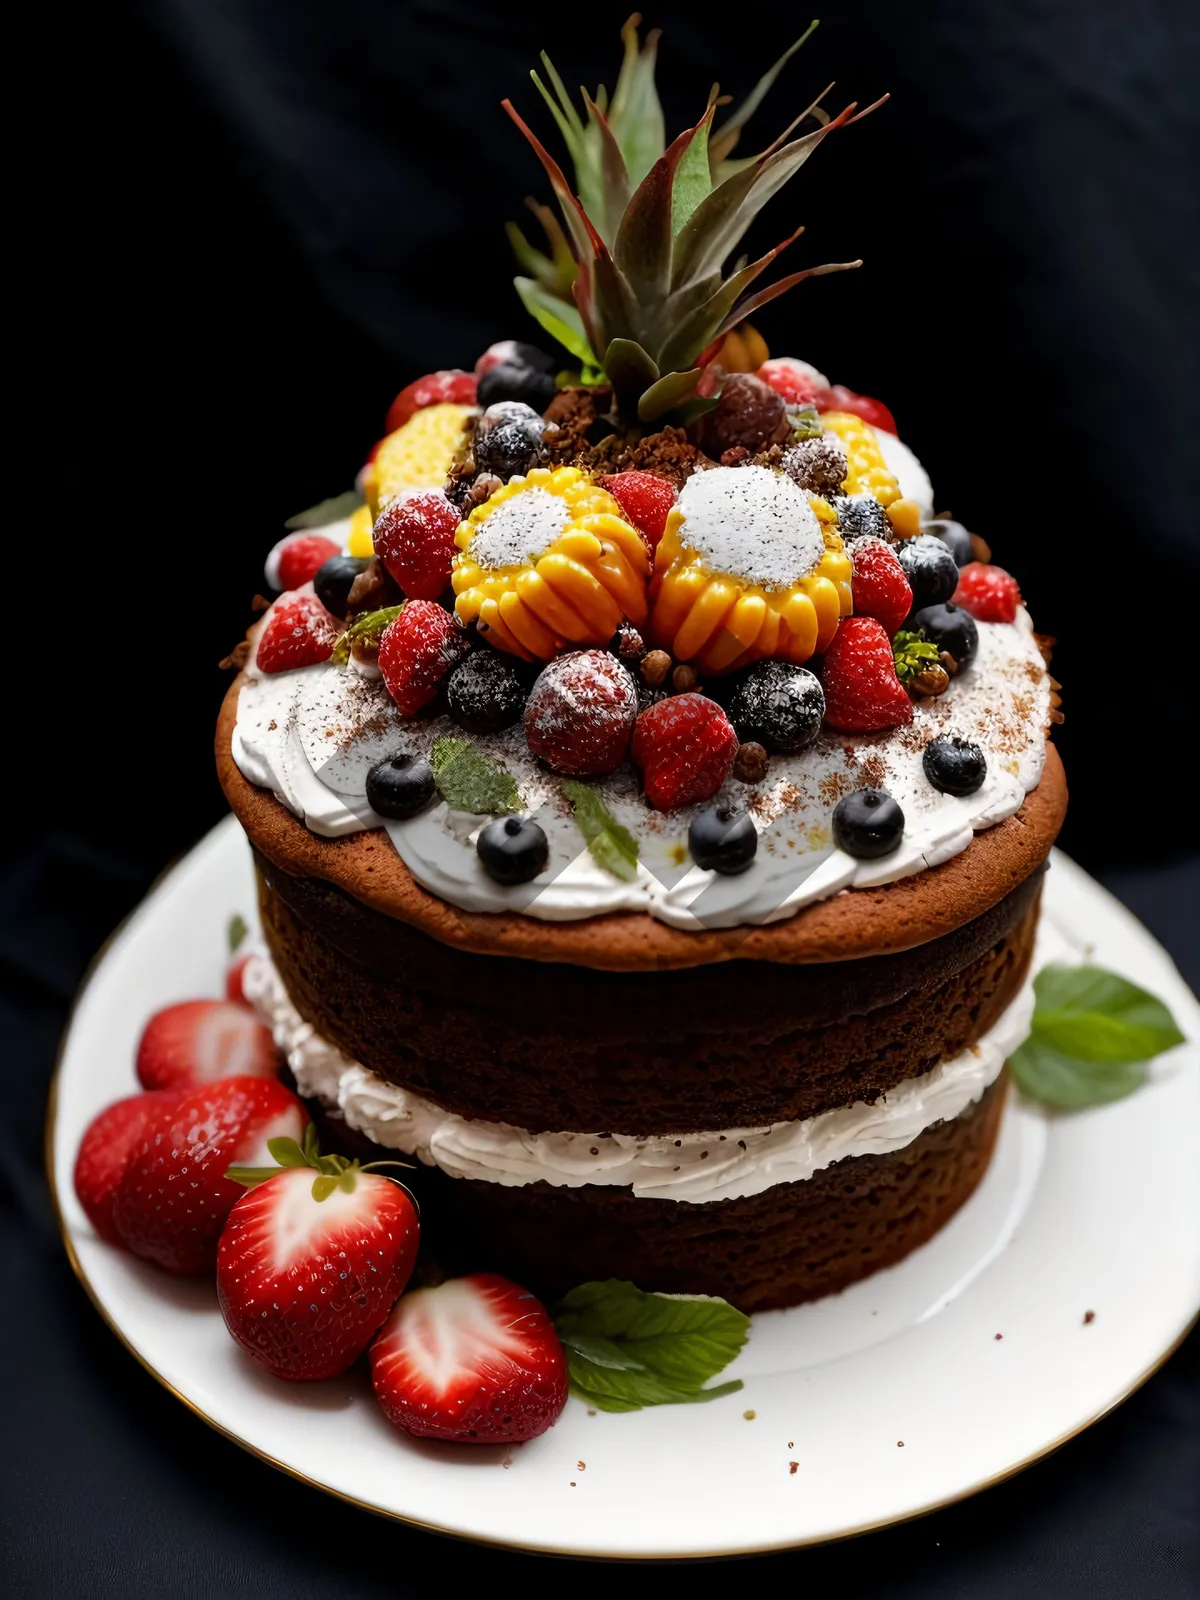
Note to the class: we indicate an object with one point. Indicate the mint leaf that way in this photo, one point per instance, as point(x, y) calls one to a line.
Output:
point(236, 932)
point(1092, 1034)
point(609, 841)
point(627, 1349)
point(287, 1152)
point(370, 628)
point(326, 511)
point(467, 780)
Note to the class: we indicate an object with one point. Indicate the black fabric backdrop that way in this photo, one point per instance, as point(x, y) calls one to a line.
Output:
point(248, 223)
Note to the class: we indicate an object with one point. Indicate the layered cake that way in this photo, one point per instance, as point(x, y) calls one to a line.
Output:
point(649, 792)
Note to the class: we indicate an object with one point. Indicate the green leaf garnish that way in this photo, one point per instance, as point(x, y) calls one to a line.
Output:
point(369, 629)
point(804, 422)
point(609, 841)
point(335, 509)
point(560, 319)
point(236, 931)
point(1093, 1033)
point(913, 652)
point(627, 1349)
point(467, 780)
point(250, 1176)
point(332, 1172)
point(323, 1186)
point(287, 1153)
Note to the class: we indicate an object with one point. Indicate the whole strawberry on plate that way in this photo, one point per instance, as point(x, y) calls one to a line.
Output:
point(475, 1360)
point(104, 1153)
point(313, 1258)
point(173, 1196)
point(199, 1041)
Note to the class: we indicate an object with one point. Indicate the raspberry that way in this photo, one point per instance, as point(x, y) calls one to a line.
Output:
point(301, 558)
point(645, 500)
point(794, 380)
point(862, 692)
point(989, 593)
point(451, 386)
point(297, 633)
point(839, 398)
point(581, 713)
point(880, 587)
point(685, 747)
point(417, 650)
point(414, 538)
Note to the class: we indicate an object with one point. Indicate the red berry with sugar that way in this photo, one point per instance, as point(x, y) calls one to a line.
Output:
point(794, 380)
point(580, 713)
point(862, 691)
point(301, 557)
point(416, 651)
point(645, 500)
point(450, 386)
point(414, 538)
point(685, 746)
point(989, 593)
point(879, 585)
point(296, 632)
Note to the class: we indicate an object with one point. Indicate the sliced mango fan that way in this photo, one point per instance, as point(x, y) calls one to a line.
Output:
point(636, 286)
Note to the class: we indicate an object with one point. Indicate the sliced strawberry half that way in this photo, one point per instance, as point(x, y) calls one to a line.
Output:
point(298, 632)
point(199, 1041)
point(174, 1196)
point(311, 1261)
point(104, 1153)
point(475, 1360)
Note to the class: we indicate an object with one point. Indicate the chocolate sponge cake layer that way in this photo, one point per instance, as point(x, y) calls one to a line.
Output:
point(792, 1243)
point(552, 1048)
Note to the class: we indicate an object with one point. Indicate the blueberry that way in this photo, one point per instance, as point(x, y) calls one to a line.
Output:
point(950, 628)
point(867, 824)
point(509, 448)
point(778, 705)
point(511, 381)
point(723, 839)
point(485, 694)
point(954, 536)
point(400, 786)
point(335, 579)
point(861, 516)
point(930, 568)
point(528, 355)
point(513, 849)
point(954, 765)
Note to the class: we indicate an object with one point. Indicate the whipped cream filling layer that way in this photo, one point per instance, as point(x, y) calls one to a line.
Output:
point(310, 736)
point(694, 1168)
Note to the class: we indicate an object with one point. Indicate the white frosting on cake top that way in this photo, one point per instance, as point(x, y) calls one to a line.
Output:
point(750, 523)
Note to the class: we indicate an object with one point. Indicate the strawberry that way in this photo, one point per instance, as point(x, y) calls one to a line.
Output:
point(416, 651)
point(645, 499)
point(839, 398)
point(796, 381)
point(296, 633)
point(414, 538)
point(475, 1360)
point(173, 1197)
point(199, 1041)
point(450, 386)
point(880, 587)
point(312, 1259)
point(104, 1153)
point(235, 979)
point(580, 713)
point(301, 557)
point(685, 747)
point(862, 692)
point(989, 593)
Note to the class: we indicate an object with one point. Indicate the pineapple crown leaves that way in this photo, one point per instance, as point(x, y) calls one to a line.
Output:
point(651, 302)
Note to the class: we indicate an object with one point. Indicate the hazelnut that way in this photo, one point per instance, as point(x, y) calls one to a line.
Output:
point(683, 679)
point(655, 668)
point(750, 763)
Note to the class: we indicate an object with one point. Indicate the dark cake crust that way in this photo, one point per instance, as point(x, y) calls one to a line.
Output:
point(792, 1243)
point(550, 1048)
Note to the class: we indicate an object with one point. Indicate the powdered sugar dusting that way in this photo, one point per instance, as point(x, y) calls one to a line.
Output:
point(751, 523)
point(520, 530)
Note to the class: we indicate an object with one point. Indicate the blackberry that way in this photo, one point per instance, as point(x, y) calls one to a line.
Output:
point(930, 568)
point(485, 694)
point(950, 628)
point(777, 705)
point(860, 516)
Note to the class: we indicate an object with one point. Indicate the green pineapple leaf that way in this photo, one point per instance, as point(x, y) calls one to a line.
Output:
point(559, 318)
point(728, 134)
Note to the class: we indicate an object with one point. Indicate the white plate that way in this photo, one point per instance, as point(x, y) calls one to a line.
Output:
point(974, 1352)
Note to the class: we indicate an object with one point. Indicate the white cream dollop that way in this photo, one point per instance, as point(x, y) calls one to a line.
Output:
point(696, 1168)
